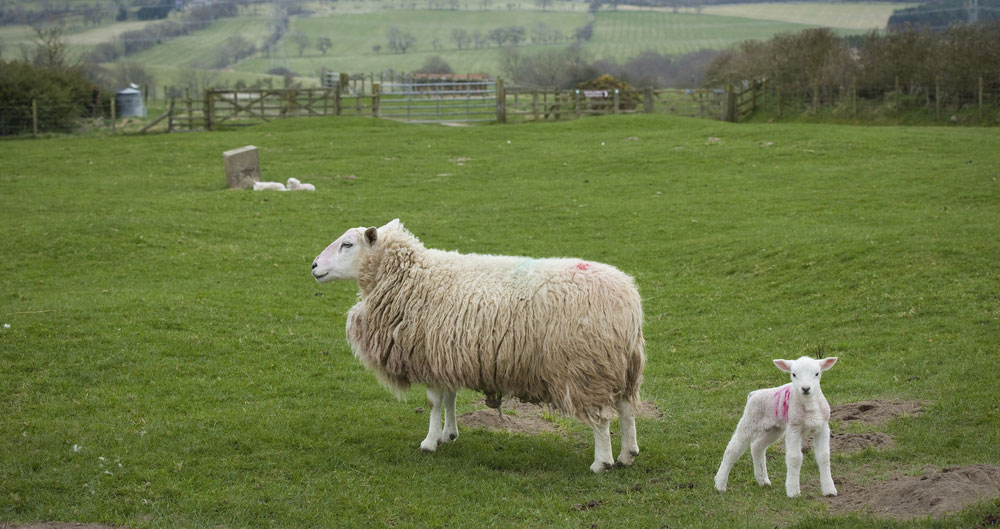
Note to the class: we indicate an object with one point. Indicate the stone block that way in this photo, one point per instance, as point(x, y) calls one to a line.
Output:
point(242, 167)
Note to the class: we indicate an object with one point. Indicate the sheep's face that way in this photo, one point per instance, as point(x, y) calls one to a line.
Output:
point(806, 373)
point(340, 259)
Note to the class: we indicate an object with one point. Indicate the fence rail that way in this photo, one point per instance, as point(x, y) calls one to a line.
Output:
point(483, 100)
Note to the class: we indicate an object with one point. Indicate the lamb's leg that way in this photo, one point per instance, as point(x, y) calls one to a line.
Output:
point(793, 461)
point(630, 446)
point(758, 451)
point(821, 445)
point(603, 459)
point(450, 423)
point(738, 444)
point(434, 397)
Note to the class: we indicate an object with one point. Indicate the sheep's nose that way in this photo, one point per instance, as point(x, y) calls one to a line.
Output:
point(314, 265)
point(805, 390)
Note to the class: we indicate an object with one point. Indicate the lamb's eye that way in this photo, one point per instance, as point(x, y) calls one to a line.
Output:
point(793, 375)
point(817, 374)
point(347, 245)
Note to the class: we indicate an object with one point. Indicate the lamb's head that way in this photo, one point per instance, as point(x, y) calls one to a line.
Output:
point(806, 373)
point(341, 259)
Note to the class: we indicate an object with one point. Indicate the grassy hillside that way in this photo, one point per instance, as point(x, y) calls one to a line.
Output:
point(170, 362)
point(355, 27)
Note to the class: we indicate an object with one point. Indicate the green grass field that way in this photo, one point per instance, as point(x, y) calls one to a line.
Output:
point(169, 361)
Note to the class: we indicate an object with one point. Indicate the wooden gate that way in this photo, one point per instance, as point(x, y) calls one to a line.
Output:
point(450, 101)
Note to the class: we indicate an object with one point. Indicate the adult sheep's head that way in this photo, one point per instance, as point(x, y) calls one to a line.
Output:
point(340, 260)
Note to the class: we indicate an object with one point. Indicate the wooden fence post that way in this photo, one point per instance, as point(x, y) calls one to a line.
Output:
point(336, 102)
point(816, 96)
point(937, 98)
point(647, 100)
point(190, 109)
point(777, 95)
point(34, 118)
point(616, 108)
point(897, 96)
point(854, 96)
point(534, 104)
point(980, 97)
point(763, 94)
point(501, 102)
point(209, 110)
point(170, 116)
point(376, 96)
point(113, 116)
point(576, 103)
point(729, 108)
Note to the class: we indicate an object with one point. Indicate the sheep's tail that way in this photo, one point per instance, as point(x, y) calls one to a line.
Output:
point(636, 362)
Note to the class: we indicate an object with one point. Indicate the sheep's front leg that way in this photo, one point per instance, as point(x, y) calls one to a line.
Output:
point(630, 446)
point(821, 444)
point(450, 423)
point(793, 461)
point(603, 459)
point(435, 398)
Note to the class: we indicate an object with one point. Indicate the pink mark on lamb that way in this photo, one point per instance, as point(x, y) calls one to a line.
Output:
point(781, 398)
point(582, 266)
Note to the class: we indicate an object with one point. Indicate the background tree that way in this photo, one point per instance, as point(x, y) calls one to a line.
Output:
point(300, 40)
point(400, 41)
point(461, 37)
point(434, 64)
point(323, 44)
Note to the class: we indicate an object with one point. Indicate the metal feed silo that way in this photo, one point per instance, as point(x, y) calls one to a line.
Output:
point(129, 102)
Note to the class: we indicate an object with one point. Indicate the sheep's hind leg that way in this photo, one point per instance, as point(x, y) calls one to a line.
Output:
point(630, 446)
point(758, 450)
point(603, 458)
point(435, 398)
point(450, 432)
point(737, 445)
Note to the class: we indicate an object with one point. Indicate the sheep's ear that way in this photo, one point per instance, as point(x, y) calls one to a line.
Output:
point(783, 365)
point(827, 363)
point(394, 223)
point(371, 235)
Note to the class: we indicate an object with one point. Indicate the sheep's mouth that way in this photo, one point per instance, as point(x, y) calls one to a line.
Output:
point(321, 276)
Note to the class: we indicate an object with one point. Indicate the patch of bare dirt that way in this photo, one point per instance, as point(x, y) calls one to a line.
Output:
point(933, 494)
point(850, 443)
point(526, 418)
point(877, 412)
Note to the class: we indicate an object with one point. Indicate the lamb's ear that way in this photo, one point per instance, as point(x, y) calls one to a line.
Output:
point(783, 365)
point(827, 363)
point(371, 235)
point(394, 223)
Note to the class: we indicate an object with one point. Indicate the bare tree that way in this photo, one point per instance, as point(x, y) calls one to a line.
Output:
point(460, 36)
point(50, 45)
point(300, 40)
point(323, 44)
point(400, 41)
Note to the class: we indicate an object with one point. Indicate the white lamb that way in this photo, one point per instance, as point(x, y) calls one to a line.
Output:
point(295, 185)
point(798, 407)
point(268, 186)
point(560, 331)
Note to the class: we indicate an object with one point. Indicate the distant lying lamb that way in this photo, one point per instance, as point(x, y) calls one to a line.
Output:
point(560, 331)
point(801, 408)
point(295, 185)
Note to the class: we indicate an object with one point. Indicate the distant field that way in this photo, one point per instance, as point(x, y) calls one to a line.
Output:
point(855, 16)
point(356, 27)
point(620, 35)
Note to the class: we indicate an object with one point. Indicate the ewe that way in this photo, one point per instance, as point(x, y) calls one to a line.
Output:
point(799, 407)
point(560, 331)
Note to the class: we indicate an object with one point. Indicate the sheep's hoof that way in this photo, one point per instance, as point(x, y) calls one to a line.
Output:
point(600, 466)
point(428, 446)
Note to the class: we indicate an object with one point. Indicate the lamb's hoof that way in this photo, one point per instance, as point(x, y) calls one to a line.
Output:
point(428, 446)
point(448, 438)
point(600, 466)
point(765, 483)
point(792, 493)
point(830, 493)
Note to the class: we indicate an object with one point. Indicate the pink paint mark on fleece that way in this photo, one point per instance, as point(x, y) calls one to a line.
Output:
point(582, 266)
point(781, 398)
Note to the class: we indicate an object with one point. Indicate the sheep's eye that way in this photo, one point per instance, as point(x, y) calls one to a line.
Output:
point(347, 245)
point(817, 374)
point(793, 375)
